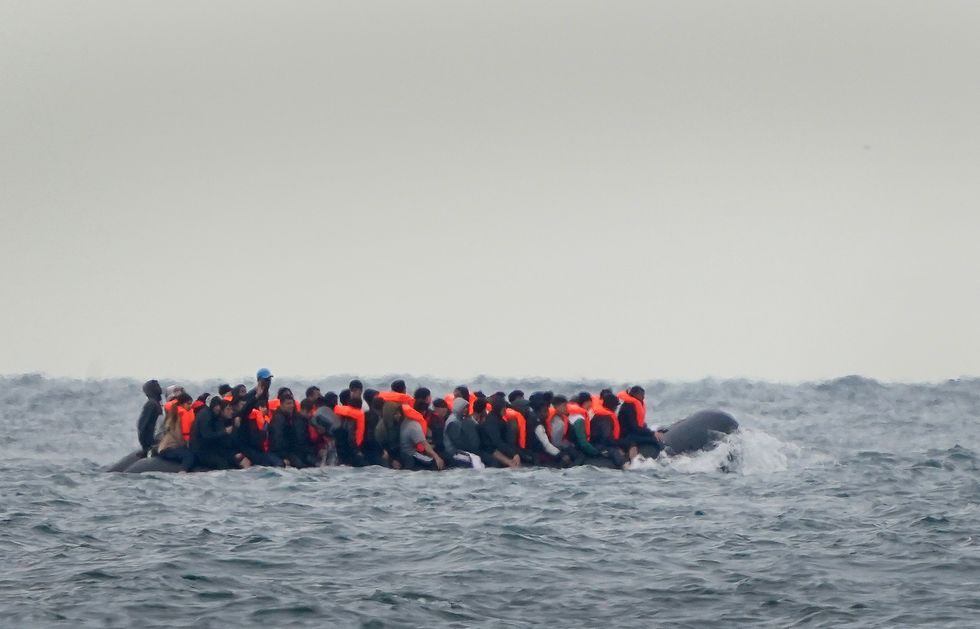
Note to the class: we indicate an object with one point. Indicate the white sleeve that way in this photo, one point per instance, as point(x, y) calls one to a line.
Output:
point(542, 436)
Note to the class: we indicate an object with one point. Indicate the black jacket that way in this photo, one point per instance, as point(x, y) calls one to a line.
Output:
point(493, 435)
point(146, 425)
point(208, 432)
point(289, 437)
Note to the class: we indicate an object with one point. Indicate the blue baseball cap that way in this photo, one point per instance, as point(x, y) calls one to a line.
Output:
point(263, 374)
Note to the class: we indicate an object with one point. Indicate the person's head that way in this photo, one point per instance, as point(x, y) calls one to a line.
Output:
point(460, 406)
point(356, 388)
point(515, 395)
point(344, 397)
point(306, 407)
point(637, 392)
point(152, 390)
point(462, 391)
point(377, 403)
point(262, 402)
point(312, 393)
point(287, 403)
point(480, 407)
point(239, 391)
point(423, 396)
point(398, 386)
point(226, 410)
point(498, 395)
point(610, 400)
point(440, 408)
point(264, 375)
point(497, 404)
point(214, 403)
point(238, 404)
point(369, 396)
point(224, 390)
point(560, 402)
point(173, 391)
point(584, 399)
point(330, 399)
point(184, 400)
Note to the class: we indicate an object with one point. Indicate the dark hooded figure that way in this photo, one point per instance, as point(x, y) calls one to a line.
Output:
point(152, 410)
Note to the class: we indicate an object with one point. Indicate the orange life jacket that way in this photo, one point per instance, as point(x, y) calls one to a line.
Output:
point(356, 415)
point(641, 409)
point(401, 398)
point(228, 397)
point(552, 412)
point(262, 422)
point(409, 412)
point(275, 403)
point(512, 414)
point(575, 409)
point(186, 421)
point(600, 410)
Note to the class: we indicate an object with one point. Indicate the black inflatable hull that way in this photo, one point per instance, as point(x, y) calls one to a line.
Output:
point(122, 464)
point(700, 431)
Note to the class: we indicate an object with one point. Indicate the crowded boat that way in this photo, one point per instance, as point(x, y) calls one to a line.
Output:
point(241, 427)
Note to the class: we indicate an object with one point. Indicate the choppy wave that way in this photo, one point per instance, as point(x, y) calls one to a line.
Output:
point(842, 503)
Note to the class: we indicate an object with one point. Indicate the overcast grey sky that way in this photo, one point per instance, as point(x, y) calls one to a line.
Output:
point(623, 190)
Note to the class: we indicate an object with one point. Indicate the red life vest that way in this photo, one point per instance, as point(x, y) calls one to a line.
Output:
point(575, 409)
point(512, 414)
point(400, 398)
point(262, 422)
point(409, 412)
point(601, 411)
point(641, 409)
point(355, 415)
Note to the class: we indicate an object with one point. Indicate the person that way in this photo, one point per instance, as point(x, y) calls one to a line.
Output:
point(224, 390)
point(374, 453)
point(604, 433)
point(349, 435)
point(146, 425)
point(289, 437)
point(387, 432)
point(559, 433)
point(633, 424)
point(173, 446)
point(356, 388)
point(253, 433)
point(580, 423)
point(326, 423)
point(414, 448)
point(495, 449)
point(263, 386)
point(541, 414)
point(461, 437)
point(211, 441)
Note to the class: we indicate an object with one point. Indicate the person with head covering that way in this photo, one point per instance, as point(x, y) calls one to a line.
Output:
point(152, 410)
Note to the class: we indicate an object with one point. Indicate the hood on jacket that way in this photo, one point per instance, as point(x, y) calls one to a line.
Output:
point(460, 407)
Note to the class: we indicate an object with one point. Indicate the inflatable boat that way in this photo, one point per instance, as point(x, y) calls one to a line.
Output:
point(700, 431)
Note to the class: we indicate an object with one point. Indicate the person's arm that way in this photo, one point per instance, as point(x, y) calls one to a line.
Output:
point(432, 452)
point(495, 430)
point(146, 424)
point(542, 436)
point(211, 429)
point(557, 431)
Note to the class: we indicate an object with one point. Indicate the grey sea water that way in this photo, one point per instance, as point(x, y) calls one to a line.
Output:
point(850, 503)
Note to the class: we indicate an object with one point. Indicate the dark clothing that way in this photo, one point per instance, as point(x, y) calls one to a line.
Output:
point(437, 427)
point(179, 454)
point(601, 438)
point(211, 445)
point(374, 453)
point(387, 431)
point(493, 436)
point(289, 439)
point(631, 433)
point(146, 425)
point(464, 434)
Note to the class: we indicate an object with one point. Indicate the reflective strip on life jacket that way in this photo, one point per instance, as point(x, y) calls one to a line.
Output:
point(641, 409)
point(409, 412)
point(356, 415)
point(512, 414)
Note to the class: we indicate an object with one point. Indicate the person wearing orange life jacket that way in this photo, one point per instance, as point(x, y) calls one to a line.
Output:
point(604, 430)
point(415, 450)
point(374, 453)
point(515, 428)
point(560, 433)
point(539, 413)
point(387, 431)
point(289, 437)
point(253, 434)
point(495, 447)
point(357, 399)
point(634, 428)
point(211, 442)
point(170, 395)
point(350, 433)
point(580, 422)
point(312, 394)
point(173, 446)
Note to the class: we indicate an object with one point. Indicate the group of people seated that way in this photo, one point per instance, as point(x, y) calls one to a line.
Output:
point(241, 427)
